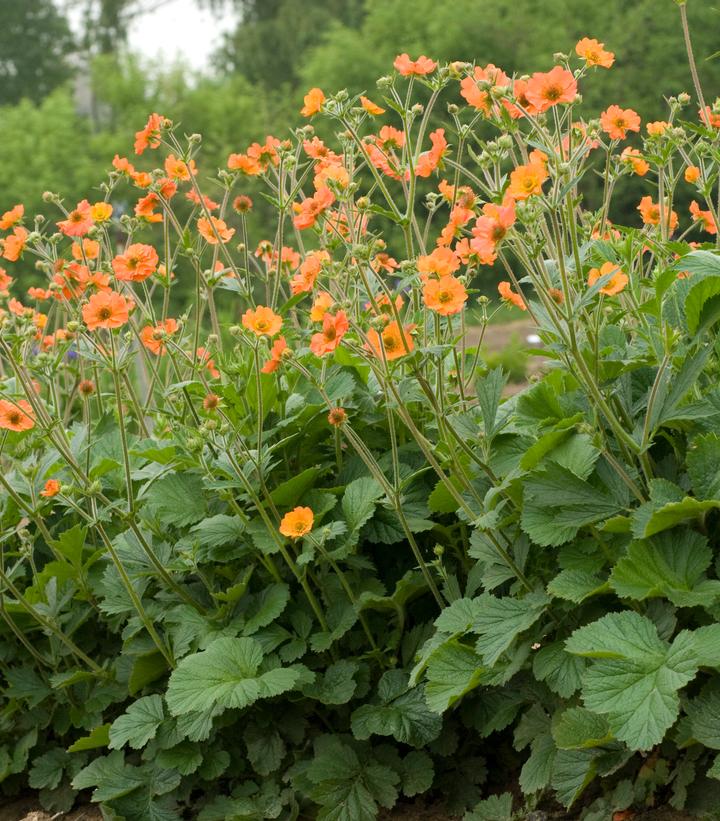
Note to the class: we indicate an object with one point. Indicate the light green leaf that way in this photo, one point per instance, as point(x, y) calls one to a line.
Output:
point(359, 501)
point(227, 674)
point(572, 771)
point(703, 465)
point(578, 729)
point(500, 621)
point(560, 670)
point(453, 669)
point(110, 776)
point(138, 724)
point(495, 808)
point(99, 737)
point(649, 519)
point(266, 607)
point(177, 499)
point(336, 685)
point(291, 492)
point(577, 585)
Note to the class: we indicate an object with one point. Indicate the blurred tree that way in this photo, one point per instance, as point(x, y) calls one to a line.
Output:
point(273, 36)
point(35, 41)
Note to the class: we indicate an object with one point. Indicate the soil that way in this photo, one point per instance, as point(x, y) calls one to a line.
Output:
point(26, 809)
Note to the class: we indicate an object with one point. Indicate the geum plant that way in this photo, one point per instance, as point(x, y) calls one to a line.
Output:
point(288, 551)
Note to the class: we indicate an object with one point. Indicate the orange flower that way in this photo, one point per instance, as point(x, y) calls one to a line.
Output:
point(179, 170)
point(78, 222)
point(38, 293)
point(204, 358)
point(393, 341)
point(494, 224)
point(308, 211)
point(616, 122)
point(17, 416)
point(371, 107)
point(149, 137)
point(101, 211)
point(692, 174)
point(635, 159)
point(323, 302)
point(658, 128)
point(12, 217)
point(145, 208)
point(710, 116)
point(428, 161)
point(522, 105)
point(194, 197)
point(333, 330)
point(262, 321)
point(477, 89)
point(527, 180)
point(545, 90)
point(5, 281)
point(153, 338)
point(211, 229)
point(442, 261)
point(136, 264)
point(420, 67)
point(337, 417)
point(106, 309)
point(594, 53)
point(313, 100)
point(506, 292)
point(276, 354)
point(304, 280)
point(14, 244)
point(52, 488)
point(617, 281)
point(89, 248)
point(650, 213)
point(446, 296)
point(704, 217)
point(297, 522)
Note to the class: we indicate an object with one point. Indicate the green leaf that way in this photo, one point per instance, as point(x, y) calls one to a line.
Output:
point(111, 777)
point(495, 808)
point(561, 671)
point(138, 724)
point(290, 493)
point(177, 499)
point(702, 306)
point(265, 749)
point(184, 757)
point(359, 501)
point(650, 518)
point(70, 544)
point(336, 685)
point(577, 585)
point(636, 680)
point(500, 621)
point(703, 466)
point(266, 607)
point(489, 390)
point(99, 737)
point(578, 729)
point(146, 668)
point(453, 669)
point(227, 675)
point(417, 773)
point(572, 771)
point(704, 713)
point(219, 530)
point(47, 770)
point(402, 713)
point(670, 565)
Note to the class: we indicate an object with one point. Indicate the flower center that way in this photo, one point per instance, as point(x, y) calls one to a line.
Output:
point(104, 313)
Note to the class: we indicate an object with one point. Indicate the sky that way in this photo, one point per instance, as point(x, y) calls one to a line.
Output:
point(177, 29)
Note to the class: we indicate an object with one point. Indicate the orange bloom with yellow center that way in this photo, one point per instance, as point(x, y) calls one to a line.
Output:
point(16, 416)
point(313, 101)
point(297, 522)
point(527, 180)
point(52, 488)
point(106, 309)
point(12, 217)
point(494, 224)
point(149, 137)
point(333, 330)
point(547, 89)
point(477, 89)
point(445, 296)
point(276, 354)
point(179, 170)
point(650, 213)
point(304, 280)
point(214, 228)
point(262, 321)
point(506, 292)
point(137, 263)
point(145, 208)
point(442, 261)
point(394, 342)
point(594, 53)
point(14, 244)
point(311, 208)
point(420, 67)
point(78, 222)
point(371, 107)
point(101, 211)
point(153, 338)
point(617, 281)
point(657, 128)
point(692, 174)
point(88, 249)
point(320, 306)
point(616, 122)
